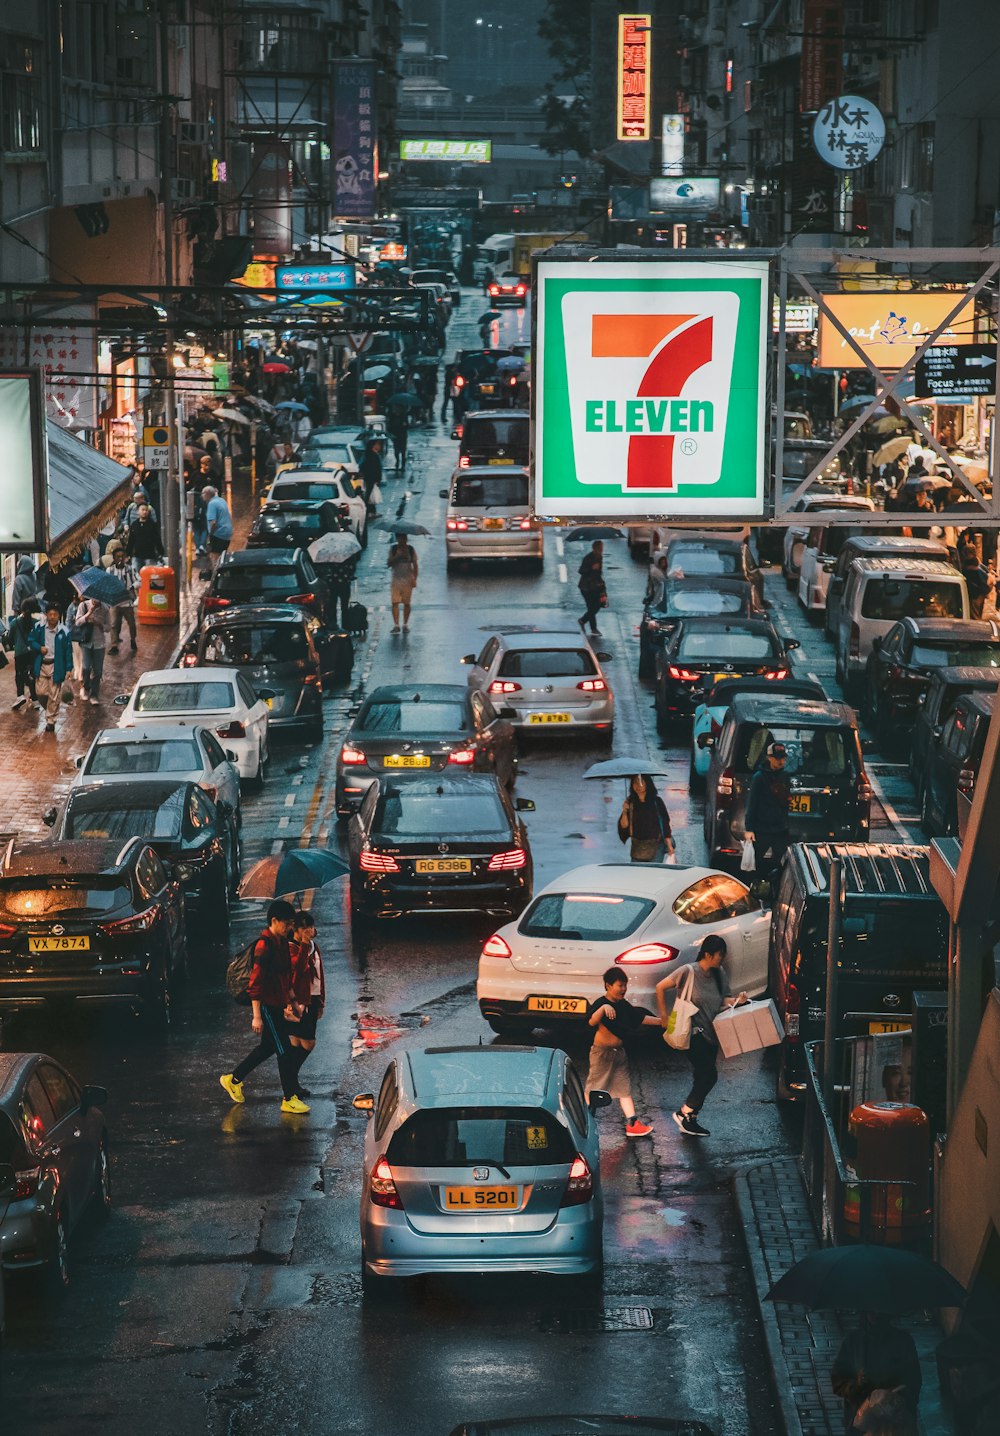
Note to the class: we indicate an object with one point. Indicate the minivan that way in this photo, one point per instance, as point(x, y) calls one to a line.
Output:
point(872, 543)
point(878, 592)
point(894, 941)
point(830, 793)
point(494, 437)
point(819, 554)
point(489, 516)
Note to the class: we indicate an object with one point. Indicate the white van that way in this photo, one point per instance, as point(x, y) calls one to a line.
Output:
point(489, 516)
point(878, 592)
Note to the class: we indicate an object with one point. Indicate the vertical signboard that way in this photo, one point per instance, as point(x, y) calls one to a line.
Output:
point(652, 398)
point(810, 184)
point(672, 145)
point(24, 505)
point(821, 68)
point(355, 142)
point(634, 35)
point(65, 349)
point(272, 196)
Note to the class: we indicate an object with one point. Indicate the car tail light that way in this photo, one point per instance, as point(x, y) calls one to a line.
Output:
point(525, 524)
point(854, 645)
point(464, 461)
point(301, 598)
point(189, 660)
point(350, 757)
point(645, 953)
point(895, 673)
point(776, 673)
point(520, 289)
point(26, 1183)
point(684, 674)
point(864, 790)
point(378, 863)
point(462, 755)
point(382, 1188)
point(141, 922)
point(459, 381)
point(495, 947)
point(234, 730)
point(312, 680)
point(966, 780)
point(212, 603)
point(494, 289)
point(593, 685)
point(724, 787)
point(7, 930)
point(793, 1003)
point(580, 1184)
point(507, 862)
point(504, 685)
point(460, 524)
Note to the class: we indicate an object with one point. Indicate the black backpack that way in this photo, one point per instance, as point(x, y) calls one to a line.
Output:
point(238, 973)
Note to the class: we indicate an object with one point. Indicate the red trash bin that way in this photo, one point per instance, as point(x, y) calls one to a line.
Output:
point(892, 1148)
point(157, 595)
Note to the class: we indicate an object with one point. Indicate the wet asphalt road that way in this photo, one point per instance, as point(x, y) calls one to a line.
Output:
point(223, 1294)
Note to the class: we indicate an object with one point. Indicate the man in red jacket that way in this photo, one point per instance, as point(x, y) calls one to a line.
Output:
point(270, 992)
point(308, 991)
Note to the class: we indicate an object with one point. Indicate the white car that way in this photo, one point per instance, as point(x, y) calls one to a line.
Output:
point(219, 698)
point(546, 967)
point(551, 680)
point(186, 751)
point(334, 485)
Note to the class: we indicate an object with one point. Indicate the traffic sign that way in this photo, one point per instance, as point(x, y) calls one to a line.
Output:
point(957, 371)
point(156, 446)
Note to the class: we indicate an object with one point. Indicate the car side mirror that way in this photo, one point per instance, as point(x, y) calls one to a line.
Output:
point(265, 693)
point(509, 713)
point(231, 756)
point(120, 699)
point(705, 740)
point(524, 805)
point(8, 1182)
point(49, 817)
point(364, 1102)
point(605, 657)
point(598, 1099)
point(443, 493)
point(354, 710)
point(78, 760)
point(468, 658)
point(456, 433)
point(791, 643)
point(93, 1097)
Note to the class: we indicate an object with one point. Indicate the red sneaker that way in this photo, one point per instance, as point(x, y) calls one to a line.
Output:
point(636, 1127)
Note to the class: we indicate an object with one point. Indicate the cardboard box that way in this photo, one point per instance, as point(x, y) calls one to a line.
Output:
point(748, 1028)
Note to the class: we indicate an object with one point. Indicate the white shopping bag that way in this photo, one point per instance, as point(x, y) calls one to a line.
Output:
point(748, 858)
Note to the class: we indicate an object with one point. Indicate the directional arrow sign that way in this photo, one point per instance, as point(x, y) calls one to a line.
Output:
point(957, 371)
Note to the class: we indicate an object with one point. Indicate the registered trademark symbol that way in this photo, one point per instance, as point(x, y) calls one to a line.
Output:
point(689, 446)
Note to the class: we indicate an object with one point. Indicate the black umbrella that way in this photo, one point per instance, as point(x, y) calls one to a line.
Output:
point(589, 532)
point(867, 1278)
point(400, 526)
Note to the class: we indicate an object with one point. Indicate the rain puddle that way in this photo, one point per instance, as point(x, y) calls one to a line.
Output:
point(375, 1031)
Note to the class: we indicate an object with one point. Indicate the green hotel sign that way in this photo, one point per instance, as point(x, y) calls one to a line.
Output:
point(456, 152)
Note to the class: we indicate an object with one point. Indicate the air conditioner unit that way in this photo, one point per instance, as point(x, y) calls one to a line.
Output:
point(183, 189)
point(189, 133)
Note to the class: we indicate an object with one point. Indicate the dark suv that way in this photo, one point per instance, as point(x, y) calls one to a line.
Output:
point(265, 575)
point(704, 650)
point(945, 688)
point(682, 598)
point(830, 793)
point(900, 665)
point(281, 651)
point(952, 766)
point(494, 436)
point(90, 918)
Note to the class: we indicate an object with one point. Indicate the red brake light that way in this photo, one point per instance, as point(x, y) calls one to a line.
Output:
point(494, 289)
point(593, 685)
point(495, 947)
point(684, 674)
point(189, 660)
point(7, 930)
point(864, 789)
point(646, 953)
point(26, 1183)
point(793, 1003)
point(351, 756)
point(508, 861)
point(211, 603)
point(579, 1185)
point(234, 730)
point(776, 673)
point(462, 755)
point(382, 1188)
point(520, 289)
point(378, 863)
point(301, 598)
point(459, 524)
point(125, 926)
point(504, 685)
point(525, 524)
point(459, 381)
point(725, 784)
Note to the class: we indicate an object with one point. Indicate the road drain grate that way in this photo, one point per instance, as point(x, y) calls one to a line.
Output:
point(611, 1318)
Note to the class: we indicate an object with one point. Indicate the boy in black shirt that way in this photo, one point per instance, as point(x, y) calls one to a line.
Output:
point(614, 1019)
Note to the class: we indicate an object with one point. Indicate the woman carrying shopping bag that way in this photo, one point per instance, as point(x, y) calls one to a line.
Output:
point(708, 989)
point(644, 819)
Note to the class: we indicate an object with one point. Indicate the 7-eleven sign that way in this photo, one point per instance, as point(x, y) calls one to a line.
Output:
point(651, 393)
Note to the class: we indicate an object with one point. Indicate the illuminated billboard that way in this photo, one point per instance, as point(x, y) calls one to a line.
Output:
point(24, 509)
point(695, 194)
point(634, 78)
point(889, 327)
point(456, 152)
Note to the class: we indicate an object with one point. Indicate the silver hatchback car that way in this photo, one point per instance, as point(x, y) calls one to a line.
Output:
point(481, 1160)
point(551, 679)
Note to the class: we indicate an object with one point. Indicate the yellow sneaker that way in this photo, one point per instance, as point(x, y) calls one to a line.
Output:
point(235, 1089)
point(294, 1104)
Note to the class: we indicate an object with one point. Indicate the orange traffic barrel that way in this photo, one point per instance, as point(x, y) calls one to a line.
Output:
point(157, 595)
point(892, 1149)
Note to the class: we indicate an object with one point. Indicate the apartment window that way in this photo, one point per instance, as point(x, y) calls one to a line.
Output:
point(20, 96)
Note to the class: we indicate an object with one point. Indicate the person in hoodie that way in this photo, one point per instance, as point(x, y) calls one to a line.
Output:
point(24, 673)
point(25, 585)
point(52, 661)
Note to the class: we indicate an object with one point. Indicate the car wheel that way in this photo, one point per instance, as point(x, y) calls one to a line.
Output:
point(538, 565)
point(58, 1267)
point(451, 565)
point(606, 737)
point(363, 535)
point(102, 1181)
point(926, 821)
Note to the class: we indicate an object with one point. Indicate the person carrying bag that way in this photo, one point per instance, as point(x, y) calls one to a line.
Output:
point(708, 991)
point(644, 819)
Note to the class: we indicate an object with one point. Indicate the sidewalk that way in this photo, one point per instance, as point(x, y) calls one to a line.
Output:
point(778, 1229)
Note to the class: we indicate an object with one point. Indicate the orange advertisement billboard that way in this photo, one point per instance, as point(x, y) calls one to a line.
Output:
point(889, 327)
point(634, 79)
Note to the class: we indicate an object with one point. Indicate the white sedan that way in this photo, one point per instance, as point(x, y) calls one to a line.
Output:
point(547, 966)
point(322, 485)
point(220, 698)
point(185, 751)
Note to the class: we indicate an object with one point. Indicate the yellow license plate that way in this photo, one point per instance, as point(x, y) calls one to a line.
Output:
point(406, 760)
point(443, 865)
point(904, 1025)
point(478, 1199)
point(499, 461)
point(800, 803)
point(557, 1004)
point(486, 388)
point(492, 523)
point(58, 944)
point(718, 677)
point(550, 718)
point(269, 702)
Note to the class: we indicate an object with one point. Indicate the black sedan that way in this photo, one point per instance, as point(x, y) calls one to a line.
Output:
point(265, 575)
point(420, 729)
point(445, 843)
point(697, 555)
point(297, 523)
point(198, 840)
point(90, 919)
point(691, 598)
point(900, 666)
point(53, 1134)
point(705, 650)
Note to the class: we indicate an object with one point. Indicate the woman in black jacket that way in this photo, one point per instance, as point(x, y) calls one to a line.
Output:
point(644, 819)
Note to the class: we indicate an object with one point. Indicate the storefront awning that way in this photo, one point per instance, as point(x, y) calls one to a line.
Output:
point(86, 489)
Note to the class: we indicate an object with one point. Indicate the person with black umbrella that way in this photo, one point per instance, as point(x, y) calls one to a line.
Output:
point(877, 1358)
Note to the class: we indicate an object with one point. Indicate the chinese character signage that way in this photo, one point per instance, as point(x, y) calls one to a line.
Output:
point(653, 392)
point(821, 68)
point(66, 352)
point(634, 35)
point(463, 152)
point(848, 132)
point(695, 194)
point(355, 140)
point(956, 374)
point(889, 327)
point(810, 184)
point(24, 473)
point(314, 276)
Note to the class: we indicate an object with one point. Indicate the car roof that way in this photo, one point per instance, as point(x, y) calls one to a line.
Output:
point(728, 688)
point(154, 732)
point(128, 794)
point(543, 638)
point(44, 858)
point(767, 709)
point(970, 628)
point(964, 673)
point(13, 1066)
point(876, 543)
point(184, 675)
point(249, 613)
point(261, 557)
point(497, 414)
point(481, 1076)
point(489, 471)
point(697, 540)
point(722, 623)
point(833, 502)
point(727, 582)
point(407, 692)
point(629, 879)
point(905, 567)
point(979, 700)
point(870, 869)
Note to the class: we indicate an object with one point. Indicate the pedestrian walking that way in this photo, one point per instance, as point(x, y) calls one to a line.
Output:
point(591, 585)
point(20, 638)
point(118, 563)
point(308, 992)
point(874, 1361)
point(52, 660)
point(139, 497)
point(25, 585)
point(339, 581)
point(657, 581)
point(398, 425)
point(644, 819)
point(402, 562)
point(710, 995)
point(977, 579)
point(218, 521)
point(370, 471)
point(614, 1019)
point(766, 818)
point(145, 543)
point(270, 993)
point(90, 628)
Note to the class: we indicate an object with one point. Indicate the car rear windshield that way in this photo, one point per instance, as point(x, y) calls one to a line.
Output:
point(481, 1136)
point(256, 643)
point(505, 490)
point(93, 817)
point(892, 598)
point(710, 647)
point(901, 937)
point(271, 579)
point(406, 716)
point(701, 603)
point(36, 898)
point(585, 917)
point(548, 663)
point(812, 752)
point(333, 452)
point(148, 755)
point(302, 492)
point(408, 813)
point(495, 433)
point(956, 655)
point(701, 560)
point(183, 697)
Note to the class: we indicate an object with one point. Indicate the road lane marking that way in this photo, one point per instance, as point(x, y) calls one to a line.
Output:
point(283, 823)
point(290, 800)
point(560, 545)
point(562, 573)
point(278, 846)
point(906, 833)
